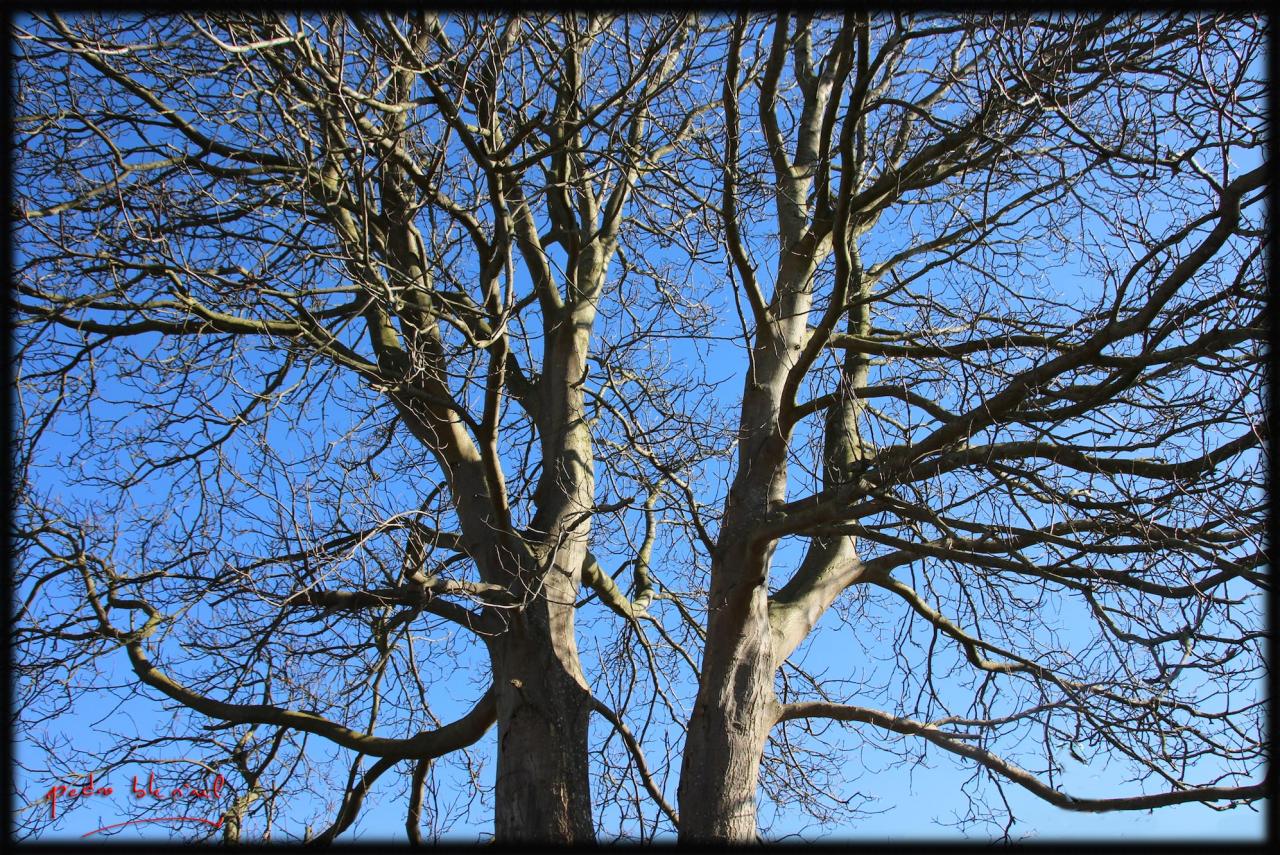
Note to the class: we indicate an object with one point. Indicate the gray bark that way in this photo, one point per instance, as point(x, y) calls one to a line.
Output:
point(542, 790)
point(736, 706)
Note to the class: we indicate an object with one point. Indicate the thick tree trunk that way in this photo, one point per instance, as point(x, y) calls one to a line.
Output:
point(734, 712)
point(736, 705)
point(543, 792)
point(544, 703)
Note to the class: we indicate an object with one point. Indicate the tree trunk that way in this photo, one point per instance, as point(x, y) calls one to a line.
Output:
point(734, 712)
point(736, 705)
point(544, 707)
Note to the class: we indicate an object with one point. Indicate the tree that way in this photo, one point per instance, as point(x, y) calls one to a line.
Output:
point(1005, 470)
point(358, 357)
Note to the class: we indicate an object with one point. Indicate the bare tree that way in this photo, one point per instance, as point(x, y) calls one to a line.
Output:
point(297, 241)
point(360, 357)
point(1060, 487)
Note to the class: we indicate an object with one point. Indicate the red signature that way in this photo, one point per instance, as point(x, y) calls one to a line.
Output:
point(186, 792)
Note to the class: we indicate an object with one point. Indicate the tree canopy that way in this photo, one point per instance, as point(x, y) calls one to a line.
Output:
point(614, 425)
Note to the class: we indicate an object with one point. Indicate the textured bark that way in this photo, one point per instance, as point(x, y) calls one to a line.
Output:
point(543, 791)
point(734, 711)
point(736, 705)
point(544, 703)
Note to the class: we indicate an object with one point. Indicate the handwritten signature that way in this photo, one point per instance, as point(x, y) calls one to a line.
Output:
point(186, 792)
